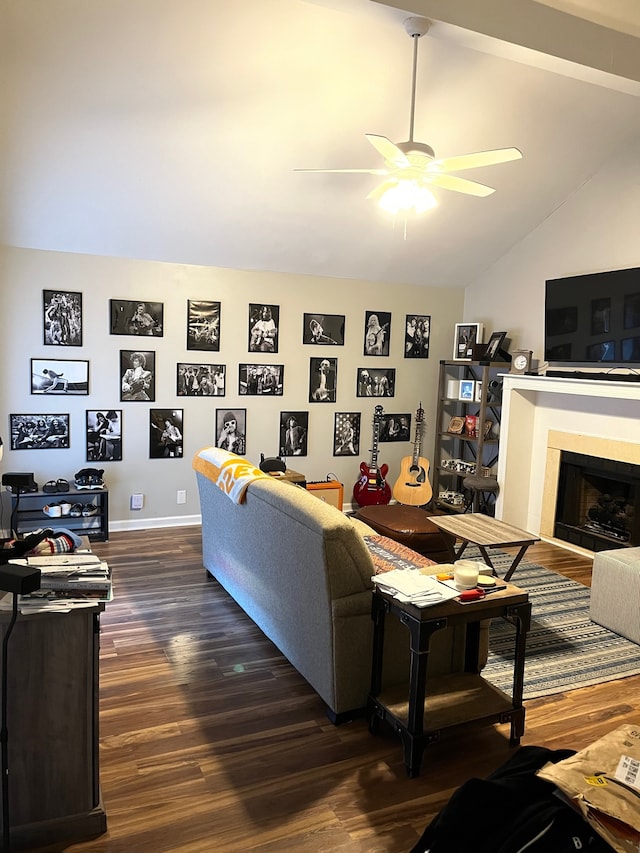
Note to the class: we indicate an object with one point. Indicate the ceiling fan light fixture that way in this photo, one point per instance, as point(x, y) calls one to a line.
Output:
point(407, 197)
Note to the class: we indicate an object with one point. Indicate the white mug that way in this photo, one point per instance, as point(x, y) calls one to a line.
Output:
point(465, 574)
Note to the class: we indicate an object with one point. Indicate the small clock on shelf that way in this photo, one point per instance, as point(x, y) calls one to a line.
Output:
point(521, 361)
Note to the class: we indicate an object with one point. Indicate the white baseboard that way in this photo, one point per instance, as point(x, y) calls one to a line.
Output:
point(148, 523)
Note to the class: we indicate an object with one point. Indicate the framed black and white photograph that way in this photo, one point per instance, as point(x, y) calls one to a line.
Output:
point(59, 376)
point(466, 390)
point(261, 380)
point(62, 318)
point(601, 316)
point(323, 329)
point(294, 433)
point(104, 435)
point(395, 427)
point(166, 428)
point(137, 371)
point(231, 430)
point(377, 332)
point(136, 317)
point(346, 433)
point(323, 376)
point(494, 346)
point(203, 325)
point(201, 380)
point(39, 432)
point(416, 336)
point(264, 321)
point(631, 310)
point(465, 336)
point(376, 382)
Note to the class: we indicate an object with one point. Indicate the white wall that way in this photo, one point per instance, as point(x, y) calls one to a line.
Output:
point(25, 273)
point(597, 229)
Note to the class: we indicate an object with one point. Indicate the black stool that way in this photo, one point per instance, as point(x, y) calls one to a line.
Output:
point(480, 490)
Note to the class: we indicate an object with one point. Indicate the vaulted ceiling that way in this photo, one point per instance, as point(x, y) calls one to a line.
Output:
point(171, 131)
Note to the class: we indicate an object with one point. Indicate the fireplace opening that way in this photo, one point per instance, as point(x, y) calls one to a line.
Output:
point(598, 500)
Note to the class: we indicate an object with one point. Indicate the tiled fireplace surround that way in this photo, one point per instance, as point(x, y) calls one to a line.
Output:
point(541, 416)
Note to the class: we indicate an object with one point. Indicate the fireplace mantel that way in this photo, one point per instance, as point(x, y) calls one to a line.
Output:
point(537, 407)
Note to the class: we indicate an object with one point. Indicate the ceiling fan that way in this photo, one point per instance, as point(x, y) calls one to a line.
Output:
point(411, 167)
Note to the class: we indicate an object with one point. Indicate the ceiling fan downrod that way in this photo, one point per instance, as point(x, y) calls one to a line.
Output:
point(415, 27)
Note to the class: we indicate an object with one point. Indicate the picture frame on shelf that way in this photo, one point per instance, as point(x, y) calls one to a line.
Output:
point(494, 350)
point(477, 394)
point(465, 336)
point(59, 376)
point(456, 425)
point(466, 389)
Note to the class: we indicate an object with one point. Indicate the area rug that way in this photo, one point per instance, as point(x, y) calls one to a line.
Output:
point(565, 649)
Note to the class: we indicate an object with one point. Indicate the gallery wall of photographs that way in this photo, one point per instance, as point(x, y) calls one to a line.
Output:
point(260, 376)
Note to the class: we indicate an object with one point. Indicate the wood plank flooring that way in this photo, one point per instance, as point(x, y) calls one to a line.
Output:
point(211, 741)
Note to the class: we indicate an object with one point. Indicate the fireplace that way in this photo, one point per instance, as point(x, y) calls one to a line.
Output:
point(597, 503)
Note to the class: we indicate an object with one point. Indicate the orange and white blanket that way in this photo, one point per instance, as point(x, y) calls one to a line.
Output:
point(229, 472)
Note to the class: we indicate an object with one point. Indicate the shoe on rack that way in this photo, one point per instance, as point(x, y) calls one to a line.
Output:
point(75, 511)
point(50, 486)
point(65, 507)
point(89, 478)
point(89, 510)
point(52, 510)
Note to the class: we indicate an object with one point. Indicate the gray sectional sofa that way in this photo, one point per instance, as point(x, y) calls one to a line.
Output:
point(302, 571)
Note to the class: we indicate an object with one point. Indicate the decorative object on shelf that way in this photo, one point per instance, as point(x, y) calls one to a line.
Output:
point(521, 361)
point(494, 350)
point(466, 335)
point(488, 425)
point(372, 488)
point(477, 396)
point(456, 425)
point(466, 389)
point(470, 425)
point(412, 486)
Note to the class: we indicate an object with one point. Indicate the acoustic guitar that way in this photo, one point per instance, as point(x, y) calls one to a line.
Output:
point(372, 488)
point(412, 486)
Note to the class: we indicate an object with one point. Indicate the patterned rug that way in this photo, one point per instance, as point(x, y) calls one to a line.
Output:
point(565, 650)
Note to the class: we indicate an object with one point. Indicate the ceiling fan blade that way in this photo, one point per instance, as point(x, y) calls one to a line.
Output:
point(354, 171)
point(473, 161)
point(389, 150)
point(377, 192)
point(459, 185)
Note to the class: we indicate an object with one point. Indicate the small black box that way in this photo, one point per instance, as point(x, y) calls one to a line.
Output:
point(19, 481)
point(20, 579)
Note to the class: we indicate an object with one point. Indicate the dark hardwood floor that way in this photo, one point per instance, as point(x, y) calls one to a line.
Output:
point(211, 741)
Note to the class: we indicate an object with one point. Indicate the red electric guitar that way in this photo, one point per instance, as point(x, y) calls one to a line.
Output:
point(372, 488)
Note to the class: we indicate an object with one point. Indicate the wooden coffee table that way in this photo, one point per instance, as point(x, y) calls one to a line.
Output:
point(475, 528)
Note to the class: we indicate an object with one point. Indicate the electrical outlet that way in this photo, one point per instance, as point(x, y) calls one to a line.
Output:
point(181, 496)
point(137, 501)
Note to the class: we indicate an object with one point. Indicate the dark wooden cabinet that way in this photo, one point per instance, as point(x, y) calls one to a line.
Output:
point(52, 724)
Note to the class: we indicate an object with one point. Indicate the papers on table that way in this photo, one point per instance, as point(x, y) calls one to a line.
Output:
point(412, 586)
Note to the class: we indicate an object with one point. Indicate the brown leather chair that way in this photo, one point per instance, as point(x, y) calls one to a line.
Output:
point(408, 525)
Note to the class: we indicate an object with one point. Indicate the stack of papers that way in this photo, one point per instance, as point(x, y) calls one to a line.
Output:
point(412, 586)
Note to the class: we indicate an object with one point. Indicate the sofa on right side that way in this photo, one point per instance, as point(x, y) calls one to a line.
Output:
point(302, 571)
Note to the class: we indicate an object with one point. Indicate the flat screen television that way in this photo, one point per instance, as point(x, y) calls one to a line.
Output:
point(593, 319)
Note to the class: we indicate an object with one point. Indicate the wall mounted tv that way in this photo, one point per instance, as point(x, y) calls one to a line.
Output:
point(593, 319)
